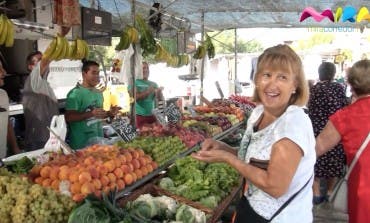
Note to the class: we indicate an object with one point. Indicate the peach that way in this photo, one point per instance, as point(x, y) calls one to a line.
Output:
point(39, 180)
point(112, 177)
point(75, 188)
point(35, 170)
point(118, 172)
point(78, 197)
point(131, 166)
point(104, 180)
point(97, 184)
point(149, 167)
point(93, 172)
point(117, 162)
point(89, 160)
point(141, 152)
point(120, 184)
point(45, 171)
point(142, 161)
point(139, 173)
point(106, 189)
point(144, 170)
point(128, 156)
point(103, 170)
point(110, 165)
point(122, 158)
point(135, 154)
point(87, 188)
point(135, 164)
point(84, 177)
point(46, 182)
point(98, 193)
point(64, 174)
point(134, 176)
point(73, 177)
point(128, 178)
point(125, 168)
point(154, 165)
point(55, 185)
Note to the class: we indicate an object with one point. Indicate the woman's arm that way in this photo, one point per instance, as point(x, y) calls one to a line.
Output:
point(327, 139)
point(275, 181)
point(12, 140)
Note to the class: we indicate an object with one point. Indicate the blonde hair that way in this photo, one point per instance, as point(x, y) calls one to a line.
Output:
point(282, 57)
point(359, 77)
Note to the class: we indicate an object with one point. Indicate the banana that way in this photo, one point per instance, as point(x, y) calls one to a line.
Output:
point(66, 55)
point(58, 48)
point(4, 31)
point(1, 23)
point(80, 53)
point(10, 36)
point(72, 50)
point(87, 51)
point(50, 50)
point(63, 51)
point(134, 35)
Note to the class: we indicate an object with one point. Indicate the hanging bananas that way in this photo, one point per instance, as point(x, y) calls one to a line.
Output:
point(200, 52)
point(59, 49)
point(129, 35)
point(6, 31)
point(210, 47)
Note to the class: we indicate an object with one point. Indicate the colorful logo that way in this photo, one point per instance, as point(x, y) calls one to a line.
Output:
point(349, 13)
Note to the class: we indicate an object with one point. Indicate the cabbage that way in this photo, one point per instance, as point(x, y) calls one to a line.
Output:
point(210, 201)
point(187, 214)
point(144, 207)
point(166, 183)
point(167, 206)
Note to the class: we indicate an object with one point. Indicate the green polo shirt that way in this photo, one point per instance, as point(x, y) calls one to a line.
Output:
point(145, 106)
point(82, 99)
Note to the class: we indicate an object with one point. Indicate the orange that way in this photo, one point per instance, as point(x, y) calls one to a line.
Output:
point(64, 174)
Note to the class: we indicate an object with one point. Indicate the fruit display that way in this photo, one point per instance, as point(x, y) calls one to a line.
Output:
point(96, 169)
point(129, 35)
point(59, 49)
point(222, 110)
point(199, 181)
point(6, 31)
point(189, 137)
point(21, 201)
point(161, 149)
point(203, 127)
point(243, 102)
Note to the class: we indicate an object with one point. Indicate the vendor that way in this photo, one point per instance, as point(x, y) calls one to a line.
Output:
point(7, 135)
point(146, 93)
point(84, 108)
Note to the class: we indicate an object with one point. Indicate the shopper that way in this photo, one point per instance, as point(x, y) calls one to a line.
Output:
point(326, 97)
point(146, 93)
point(277, 153)
point(351, 125)
point(84, 108)
point(7, 136)
point(39, 102)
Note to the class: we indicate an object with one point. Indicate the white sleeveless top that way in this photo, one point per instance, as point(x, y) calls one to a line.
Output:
point(295, 125)
point(4, 116)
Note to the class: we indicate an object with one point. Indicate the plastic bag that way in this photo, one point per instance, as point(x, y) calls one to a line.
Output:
point(58, 125)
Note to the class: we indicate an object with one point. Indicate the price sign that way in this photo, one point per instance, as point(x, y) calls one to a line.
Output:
point(173, 114)
point(126, 131)
point(159, 115)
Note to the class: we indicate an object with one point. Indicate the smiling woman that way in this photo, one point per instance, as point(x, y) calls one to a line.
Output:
point(279, 134)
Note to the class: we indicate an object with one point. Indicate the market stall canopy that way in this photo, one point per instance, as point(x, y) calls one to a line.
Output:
point(227, 14)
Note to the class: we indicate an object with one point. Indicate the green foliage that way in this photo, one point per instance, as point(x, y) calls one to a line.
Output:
point(107, 52)
point(227, 39)
point(314, 40)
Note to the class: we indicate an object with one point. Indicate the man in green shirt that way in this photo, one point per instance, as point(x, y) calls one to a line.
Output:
point(84, 108)
point(146, 93)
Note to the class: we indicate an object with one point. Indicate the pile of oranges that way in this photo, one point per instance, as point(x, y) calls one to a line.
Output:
point(97, 169)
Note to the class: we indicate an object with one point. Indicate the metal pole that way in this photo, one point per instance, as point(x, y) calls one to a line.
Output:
point(236, 56)
point(202, 67)
point(132, 66)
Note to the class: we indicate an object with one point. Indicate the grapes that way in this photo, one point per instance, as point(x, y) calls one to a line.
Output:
point(23, 202)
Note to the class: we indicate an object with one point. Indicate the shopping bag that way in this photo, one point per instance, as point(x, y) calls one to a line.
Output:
point(57, 125)
point(338, 198)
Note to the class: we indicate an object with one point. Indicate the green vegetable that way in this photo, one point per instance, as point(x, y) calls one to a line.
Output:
point(210, 201)
point(166, 183)
point(20, 166)
point(90, 212)
point(187, 214)
point(144, 207)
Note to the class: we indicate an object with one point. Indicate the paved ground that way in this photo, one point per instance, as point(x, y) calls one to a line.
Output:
point(324, 214)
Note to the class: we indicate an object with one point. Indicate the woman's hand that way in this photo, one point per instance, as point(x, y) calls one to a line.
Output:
point(211, 144)
point(214, 155)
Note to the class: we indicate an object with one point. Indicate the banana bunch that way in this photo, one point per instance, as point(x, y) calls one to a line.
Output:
point(178, 60)
point(128, 36)
point(6, 31)
point(161, 55)
point(200, 52)
point(59, 49)
point(78, 49)
point(210, 47)
point(147, 41)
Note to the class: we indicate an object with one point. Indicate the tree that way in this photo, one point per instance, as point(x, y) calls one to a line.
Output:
point(224, 43)
point(107, 52)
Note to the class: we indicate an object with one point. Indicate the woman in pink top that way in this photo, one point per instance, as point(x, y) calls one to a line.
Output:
point(351, 126)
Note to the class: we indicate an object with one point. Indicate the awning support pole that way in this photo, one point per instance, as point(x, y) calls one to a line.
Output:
point(202, 67)
point(132, 66)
